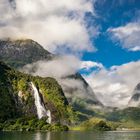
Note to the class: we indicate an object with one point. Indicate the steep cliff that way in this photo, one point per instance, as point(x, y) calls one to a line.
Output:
point(23, 95)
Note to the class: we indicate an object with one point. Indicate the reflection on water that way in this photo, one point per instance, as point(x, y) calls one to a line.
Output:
point(38, 136)
point(48, 136)
point(70, 135)
point(42, 136)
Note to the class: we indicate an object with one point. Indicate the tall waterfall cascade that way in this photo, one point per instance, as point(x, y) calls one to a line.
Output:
point(41, 110)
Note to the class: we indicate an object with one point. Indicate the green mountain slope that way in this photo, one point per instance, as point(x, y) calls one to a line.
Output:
point(17, 96)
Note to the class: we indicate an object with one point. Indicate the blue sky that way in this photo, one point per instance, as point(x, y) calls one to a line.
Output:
point(118, 50)
point(112, 14)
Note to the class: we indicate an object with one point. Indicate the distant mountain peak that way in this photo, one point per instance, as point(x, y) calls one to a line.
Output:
point(135, 99)
point(137, 87)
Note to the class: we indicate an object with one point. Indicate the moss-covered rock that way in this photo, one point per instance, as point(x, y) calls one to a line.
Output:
point(94, 124)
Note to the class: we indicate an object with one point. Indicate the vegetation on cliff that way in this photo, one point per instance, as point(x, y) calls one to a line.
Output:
point(17, 101)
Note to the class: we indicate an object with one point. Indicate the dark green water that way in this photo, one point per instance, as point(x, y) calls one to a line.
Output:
point(70, 135)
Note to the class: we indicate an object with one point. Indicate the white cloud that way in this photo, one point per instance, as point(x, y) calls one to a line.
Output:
point(128, 35)
point(27, 7)
point(114, 86)
point(87, 65)
point(58, 67)
point(57, 25)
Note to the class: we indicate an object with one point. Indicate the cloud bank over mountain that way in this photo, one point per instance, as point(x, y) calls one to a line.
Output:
point(58, 67)
point(112, 86)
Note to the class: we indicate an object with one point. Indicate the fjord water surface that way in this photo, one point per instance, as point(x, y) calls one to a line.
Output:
point(71, 135)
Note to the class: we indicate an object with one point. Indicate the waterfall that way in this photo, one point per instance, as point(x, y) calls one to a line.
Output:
point(41, 111)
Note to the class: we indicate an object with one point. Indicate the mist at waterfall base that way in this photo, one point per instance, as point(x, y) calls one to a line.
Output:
point(41, 110)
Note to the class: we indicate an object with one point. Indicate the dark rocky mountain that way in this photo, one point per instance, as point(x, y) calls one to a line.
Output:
point(82, 97)
point(21, 52)
point(135, 99)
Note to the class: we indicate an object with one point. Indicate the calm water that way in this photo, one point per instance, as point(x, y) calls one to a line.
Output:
point(70, 136)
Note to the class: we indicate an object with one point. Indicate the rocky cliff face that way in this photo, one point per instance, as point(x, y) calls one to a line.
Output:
point(25, 95)
point(135, 99)
point(21, 52)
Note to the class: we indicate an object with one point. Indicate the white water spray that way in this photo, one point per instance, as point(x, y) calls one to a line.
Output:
point(41, 111)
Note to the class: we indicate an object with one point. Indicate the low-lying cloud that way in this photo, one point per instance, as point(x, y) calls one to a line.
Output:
point(58, 67)
point(114, 87)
